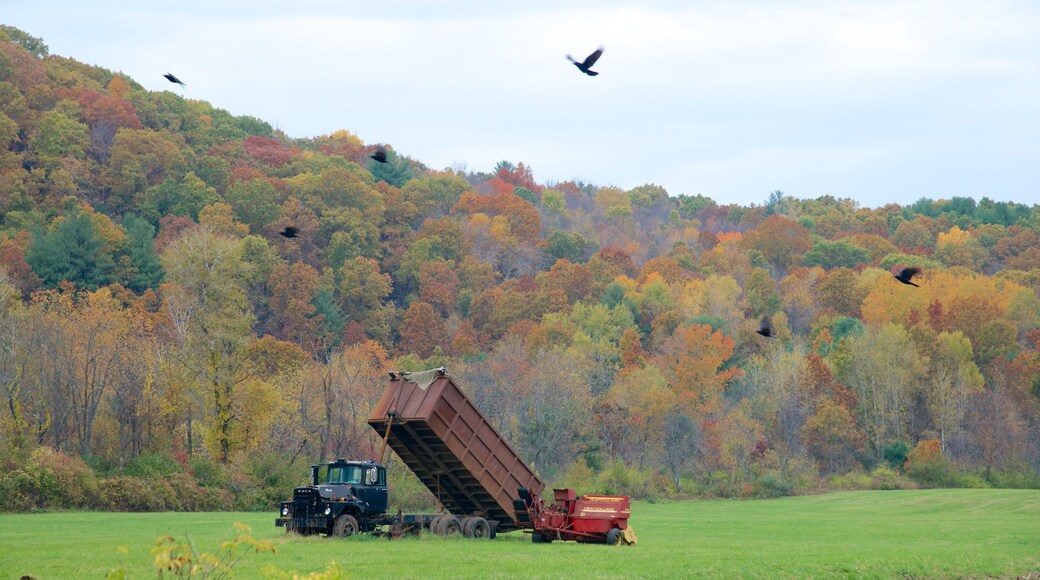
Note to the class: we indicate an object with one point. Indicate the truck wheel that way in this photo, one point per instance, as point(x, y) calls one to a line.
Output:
point(435, 525)
point(465, 524)
point(479, 528)
point(614, 537)
point(450, 526)
point(345, 526)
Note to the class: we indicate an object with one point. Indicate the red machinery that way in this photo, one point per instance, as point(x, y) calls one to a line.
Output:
point(596, 519)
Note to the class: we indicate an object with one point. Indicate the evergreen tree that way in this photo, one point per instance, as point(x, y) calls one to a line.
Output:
point(396, 171)
point(140, 249)
point(71, 251)
point(332, 318)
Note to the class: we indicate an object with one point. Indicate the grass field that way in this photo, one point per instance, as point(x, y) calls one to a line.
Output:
point(927, 533)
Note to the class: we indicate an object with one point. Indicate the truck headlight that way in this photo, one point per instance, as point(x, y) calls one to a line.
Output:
point(285, 511)
point(328, 510)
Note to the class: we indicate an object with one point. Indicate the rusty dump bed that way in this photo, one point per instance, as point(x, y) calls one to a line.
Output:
point(452, 448)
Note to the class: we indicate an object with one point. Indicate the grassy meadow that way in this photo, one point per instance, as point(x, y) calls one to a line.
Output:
point(922, 533)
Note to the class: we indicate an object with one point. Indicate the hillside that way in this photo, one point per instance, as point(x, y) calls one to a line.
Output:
point(154, 322)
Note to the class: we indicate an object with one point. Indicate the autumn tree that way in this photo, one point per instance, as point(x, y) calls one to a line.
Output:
point(841, 291)
point(423, 330)
point(552, 411)
point(98, 335)
point(835, 254)
point(292, 292)
point(832, 438)
point(140, 159)
point(361, 289)
point(882, 366)
point(207, 303)
point(680, 444)
point(781, 240)
point(692, 361)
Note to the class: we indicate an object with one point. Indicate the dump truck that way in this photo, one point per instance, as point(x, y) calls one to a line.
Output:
point(482, 484)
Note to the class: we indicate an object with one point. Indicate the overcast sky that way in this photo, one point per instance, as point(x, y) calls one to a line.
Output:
point(878, 100)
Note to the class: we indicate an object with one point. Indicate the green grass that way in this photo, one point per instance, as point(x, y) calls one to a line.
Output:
point(927, 533)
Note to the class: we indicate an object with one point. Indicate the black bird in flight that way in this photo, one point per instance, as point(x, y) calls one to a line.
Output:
point(906, 274)
point(380, 154)
point(174, 79)
point(290, 232)
point(766, 329)
point(586, 65)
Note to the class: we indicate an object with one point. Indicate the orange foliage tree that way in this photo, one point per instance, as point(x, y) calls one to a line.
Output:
point(692, 361)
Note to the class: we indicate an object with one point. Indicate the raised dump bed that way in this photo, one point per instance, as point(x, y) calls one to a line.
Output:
point(453, 449)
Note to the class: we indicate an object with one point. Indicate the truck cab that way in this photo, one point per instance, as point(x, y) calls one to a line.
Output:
point(352, 494)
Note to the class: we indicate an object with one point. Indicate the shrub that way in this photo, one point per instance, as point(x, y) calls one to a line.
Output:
point(884, 478)
point(617, 479)
point(151, 465)
point(896, 452)
point(207, 472)
point(193, 497)
point(720, 485)
point(852, 481)
point(579, 476)
point(659, 486)
point(50, 479)
point(926, 464)
point(14, 492)
point(131, 494)
point(272, 478)
point(1016, 475)
point(770, 485)
point(972, 480)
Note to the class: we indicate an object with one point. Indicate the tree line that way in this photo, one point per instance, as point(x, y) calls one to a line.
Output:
point(151, 315)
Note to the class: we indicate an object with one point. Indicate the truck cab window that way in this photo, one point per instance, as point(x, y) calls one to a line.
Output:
point(347, 474)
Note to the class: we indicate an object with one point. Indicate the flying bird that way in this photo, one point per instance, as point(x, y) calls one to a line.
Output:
point(906, 274)
point(380, 154)
point(766, 329)
point(290, 232)
point(174, 79)
point(586, 65)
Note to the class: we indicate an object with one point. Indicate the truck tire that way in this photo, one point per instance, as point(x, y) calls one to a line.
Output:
point(478, 528)
point(435, 525)
point(346, 525)
point(450, 526)
point(465, 523)
point(614, 537)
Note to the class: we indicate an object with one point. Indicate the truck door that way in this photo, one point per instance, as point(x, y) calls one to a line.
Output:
point(374, 490)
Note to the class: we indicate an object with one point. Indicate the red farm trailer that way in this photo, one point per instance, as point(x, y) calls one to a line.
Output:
point(596, 519)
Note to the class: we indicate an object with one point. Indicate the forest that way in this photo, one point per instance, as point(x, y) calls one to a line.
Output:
point(163, 347)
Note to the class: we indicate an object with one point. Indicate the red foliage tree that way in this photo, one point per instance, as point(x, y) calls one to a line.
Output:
point(12, 261)
point(268, 151)
point(519, 176)
point(423, 330)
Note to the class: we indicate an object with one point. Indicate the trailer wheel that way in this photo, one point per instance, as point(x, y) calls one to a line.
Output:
point(465, 524)
point(614, 537)
point(345, 526)
point(477, 528)
point(450, 526)
point(537, 538)
point(435, 525)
